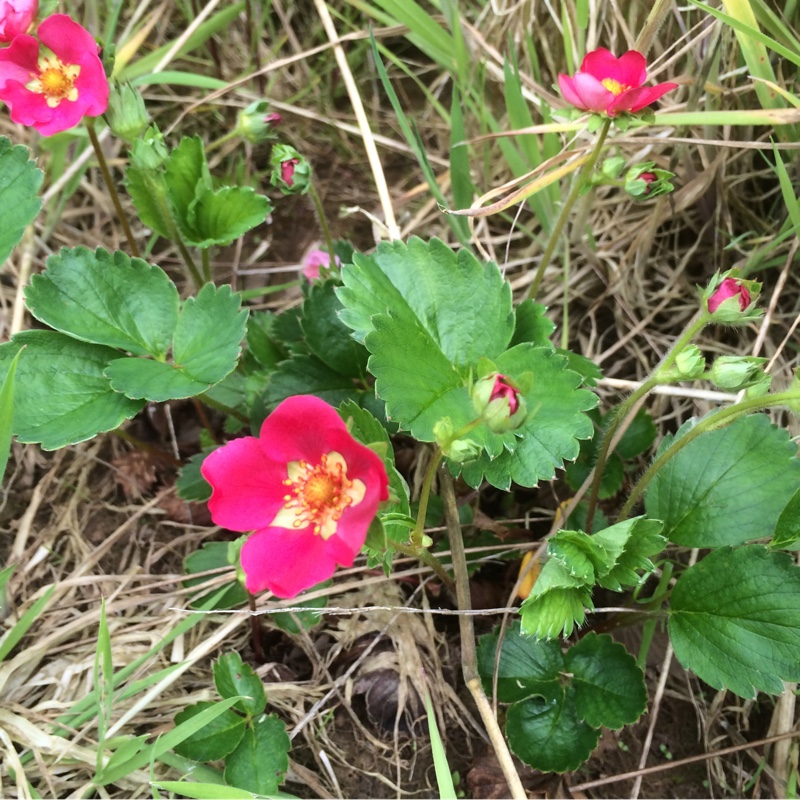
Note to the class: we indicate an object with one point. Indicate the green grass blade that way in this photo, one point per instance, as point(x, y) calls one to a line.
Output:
point(13, 636)
point(7, 414)
point(444, 777)
point(103, 683)
point(787, 190)
point(178, 78)
point(460, 179)
point(204, 791)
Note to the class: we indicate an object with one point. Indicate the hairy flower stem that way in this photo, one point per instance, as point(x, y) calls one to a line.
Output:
point(424, 496)
point(655, 19)
point(206, 262)
point(323, 221)
point(719, 419)
point(469, 653)
point(577, 186)
point(255, 630)
point(112, 189)
point(697, 323)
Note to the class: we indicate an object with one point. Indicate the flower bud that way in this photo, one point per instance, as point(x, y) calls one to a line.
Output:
point(737, 372)
point(731, 300)
point(149, 152)
point(317, 261)
point(256, 124)
point(688, 365)
point(498, 400)
point(459, 450)
point(126, 114)
point(729, 288)
point(647, 181)
point(291, 173)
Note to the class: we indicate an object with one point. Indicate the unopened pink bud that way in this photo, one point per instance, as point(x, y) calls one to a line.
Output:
point(730, 287)
point(287, 171)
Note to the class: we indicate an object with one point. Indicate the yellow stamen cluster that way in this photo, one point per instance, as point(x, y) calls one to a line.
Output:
point(318, 495)
point(55, 80)
point(615, 87)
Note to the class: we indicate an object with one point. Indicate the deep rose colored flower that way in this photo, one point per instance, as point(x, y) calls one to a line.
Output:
point(608, 85)
point(307, 489)
point(287, 170)
point(55, 89)
point(314, 260)
point(16, 17)
point(730, 287)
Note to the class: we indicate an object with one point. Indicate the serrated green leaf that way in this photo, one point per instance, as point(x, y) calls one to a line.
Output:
point(585, 367)
point(216, 740)
point(787, 530)
point(187, 173)
point(6, 422)
point(555, 421)
point(628, 546)
point(549, 735)
point(727, 486)
point(261, 760)
point(106, 298)
point(148, 190)
point(213, 555)
point(219, 217)
point(609, 688)
point(327, 336)
point(19, 184)
point(463, 305)
point(61, 395)
point(531, 324)
point(156, 381)
point(527, 666)
point(209, 333)
point(262, 339)
point(556, 603)
point(735, 620)
point(233, 677)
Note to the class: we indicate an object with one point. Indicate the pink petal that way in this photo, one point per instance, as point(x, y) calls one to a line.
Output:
point(636, 99)
point(600, 64)
point(248, 490)
point(19, 60)
point(71, 42)
point(92, 86)
point(16, 17)
point(299, 429)
point(594, 96)
point(565, 84)
point(631, 69)
point(288, 561)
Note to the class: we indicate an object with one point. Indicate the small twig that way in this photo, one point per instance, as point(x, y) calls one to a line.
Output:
point(469, 652)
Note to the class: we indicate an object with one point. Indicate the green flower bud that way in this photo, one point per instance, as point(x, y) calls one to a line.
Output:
point(737, 372)
point(291, 173)
point(149, 152)
point(689, 364)
point(256, 124)
point(731, 300)
point(645, 181)
point(127, 117)
point(459, 450)
point(499, 402)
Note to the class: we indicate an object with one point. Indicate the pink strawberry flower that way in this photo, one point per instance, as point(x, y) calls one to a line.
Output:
point(16, 17)
point(315, 260)
point(305, 487)
point(609, 85)
point(730, 287)
point(54, 87)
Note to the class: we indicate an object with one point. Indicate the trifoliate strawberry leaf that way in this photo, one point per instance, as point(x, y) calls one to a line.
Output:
point(556, 603)
point(549, 735)
point(462, 304)
point(327, 336)
point(216, 740)
point(726, 486)
point(261, 760)
point(234, 678)
point(61, 395)
point(527, 666)
point(735, 620)
point(553, 427)
point(609, 688)
point(19, 186)
point(106, 298)
point(205, 348)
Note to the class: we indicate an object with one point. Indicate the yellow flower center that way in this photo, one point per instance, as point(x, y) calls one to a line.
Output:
point(318, 495)
point(55, 80)
point(615, 87)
